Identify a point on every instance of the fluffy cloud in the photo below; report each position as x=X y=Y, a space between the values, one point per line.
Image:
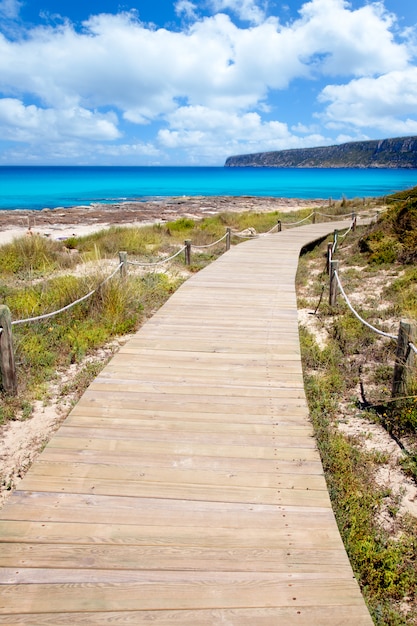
x=389 y=101
x=208 y=85
x=10 y=8
x=187 y=8
x=246 y=10
x=213 y=133
x=31 y=123
x=116 y=61
x=338 y=41
x=81 y=152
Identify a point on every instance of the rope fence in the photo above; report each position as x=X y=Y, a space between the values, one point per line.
x=7 y=367
x=161 y=262
x=210 y=245
x=301 y=221
x=406 y=349
x=68 y=306
x=356 y=314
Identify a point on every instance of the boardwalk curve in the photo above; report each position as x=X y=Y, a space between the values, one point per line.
x=185 y=487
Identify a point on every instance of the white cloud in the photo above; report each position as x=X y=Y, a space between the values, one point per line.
x=335 y=40
x=116 y=61
x=387 y=103
x=29 y=123
x=187 y=8
x=216 y=134
x=246 y=10
x=209 y=83
x=81 y=151
x=10 y=8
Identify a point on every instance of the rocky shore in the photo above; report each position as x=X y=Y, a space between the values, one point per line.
x=61 y=222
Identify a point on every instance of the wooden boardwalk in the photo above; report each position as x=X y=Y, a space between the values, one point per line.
x=185 y=488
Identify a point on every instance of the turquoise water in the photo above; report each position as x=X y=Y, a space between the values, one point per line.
x=40 y=187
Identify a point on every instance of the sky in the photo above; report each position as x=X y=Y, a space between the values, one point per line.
x=191 y=82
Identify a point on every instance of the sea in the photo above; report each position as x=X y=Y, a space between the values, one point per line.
x=39 y=187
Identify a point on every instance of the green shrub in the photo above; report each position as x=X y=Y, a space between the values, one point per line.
x=37 y=255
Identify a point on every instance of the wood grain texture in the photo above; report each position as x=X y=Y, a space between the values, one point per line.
x=185 y=488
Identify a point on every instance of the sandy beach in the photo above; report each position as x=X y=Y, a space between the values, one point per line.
x=60 y=223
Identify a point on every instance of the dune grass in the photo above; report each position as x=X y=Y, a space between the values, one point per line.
x=382 y=557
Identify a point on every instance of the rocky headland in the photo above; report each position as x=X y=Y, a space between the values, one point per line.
x=400 y=152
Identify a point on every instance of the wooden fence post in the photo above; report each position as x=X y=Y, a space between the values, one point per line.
x=228 y=238
x=404 y=359
x=279 y=226
x=7 y=363
x=329 y=256
x=334 y=267
x=314 y=216
x=187 y=244
x=123 y=261
x=335 y=239
x=353 y=221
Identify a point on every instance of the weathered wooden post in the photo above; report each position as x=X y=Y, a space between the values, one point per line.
x=7 y=363
x=123 y=261
x=228 y=238
x=353 y=221
x=329 y=256
x=187 y=244
x=314 y=216
x=279 y=226
x=334 y=267
x=404 y=359
x=335 y=239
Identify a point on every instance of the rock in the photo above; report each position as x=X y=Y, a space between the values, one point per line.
x=387 y=153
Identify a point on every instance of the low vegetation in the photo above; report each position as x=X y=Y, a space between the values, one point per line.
x=348 y=378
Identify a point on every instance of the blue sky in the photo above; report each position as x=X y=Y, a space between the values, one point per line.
x=191 y=82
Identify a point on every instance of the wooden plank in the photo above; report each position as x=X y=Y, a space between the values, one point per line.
x=285 y=413
x=285 y=496
x=332 y=615
x=192 y=475
x=137 y=421
x=172 y=461
x=215 y=451
x=182 y=435
x=119 y=510
x=171 y=535
x=154 y=591
x=133 y=557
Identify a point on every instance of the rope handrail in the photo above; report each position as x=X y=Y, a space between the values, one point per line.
x=300 y=221
x=157 y=262
x=268 y=232
x=376 y=330
x=68 y=306
x=347 y=232
x=340 y=215
x=210 y=244
x=413 y=347
x=239 y=236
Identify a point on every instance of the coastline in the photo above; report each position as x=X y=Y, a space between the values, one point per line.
x=61 y=223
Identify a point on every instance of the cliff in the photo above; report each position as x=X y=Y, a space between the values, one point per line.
x=390 y=153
